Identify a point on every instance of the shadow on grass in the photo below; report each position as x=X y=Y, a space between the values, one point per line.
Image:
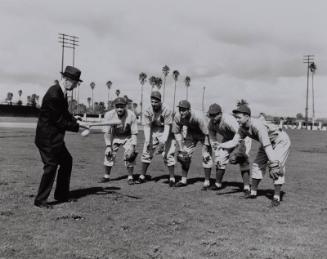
x=77 y=194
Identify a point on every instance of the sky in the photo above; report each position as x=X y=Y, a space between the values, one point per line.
x=236 y=49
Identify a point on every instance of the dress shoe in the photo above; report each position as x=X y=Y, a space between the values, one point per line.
x=43 y=205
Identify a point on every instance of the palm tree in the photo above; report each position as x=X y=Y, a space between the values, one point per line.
x=10 y=95
x=117 y=92
x=158 y=82
x=142 y=79
x=175 y=76
x=187 y=85
x=203 y=91
x=165 y=71
x=152 y=81
x=29 y=100
x=89 y=99
x=108 y=84
x=37 y=97
x=92 y=87
x=20 y=92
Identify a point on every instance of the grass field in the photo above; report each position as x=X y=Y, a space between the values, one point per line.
x=151 y=220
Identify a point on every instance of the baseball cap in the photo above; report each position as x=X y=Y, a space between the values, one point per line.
x=243 y=109
x=214 y=109
x=120 y=100
x=184 y=104
x=156 y=95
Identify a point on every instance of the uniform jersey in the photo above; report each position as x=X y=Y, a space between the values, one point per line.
x=157 y=120
x=127 y=127
x=227 y=128
x=262 y=131
x=197 y=124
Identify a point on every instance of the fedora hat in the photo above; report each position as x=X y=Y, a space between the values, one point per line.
x=72 y=73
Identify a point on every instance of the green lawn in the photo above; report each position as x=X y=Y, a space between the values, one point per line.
x=151 y=220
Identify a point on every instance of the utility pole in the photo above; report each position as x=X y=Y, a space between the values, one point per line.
x=313 y=69
x=204 y=89
x=68 y=41
x=308 y=59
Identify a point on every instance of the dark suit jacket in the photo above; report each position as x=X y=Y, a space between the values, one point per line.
x=54 y=120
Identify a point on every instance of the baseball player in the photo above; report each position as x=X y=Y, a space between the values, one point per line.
x=124 y=134
x=226 y=126
x=273 y=152
x=158 y=138
x=196 y=126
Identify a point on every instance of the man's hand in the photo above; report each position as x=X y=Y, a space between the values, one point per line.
x=83 y=124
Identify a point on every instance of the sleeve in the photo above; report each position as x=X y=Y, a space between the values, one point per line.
x=232 y=124
x=147 y=118
x=203 y=124
x=60 y=116
x=168 y=118
x=134 y=127
x=263 y=135
x=177 y=126
x=107 y=117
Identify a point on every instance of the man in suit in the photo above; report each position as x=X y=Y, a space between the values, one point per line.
x=54 y=121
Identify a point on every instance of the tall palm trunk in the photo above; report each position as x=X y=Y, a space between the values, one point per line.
x=142 y=103
x=164 y=89
x=174 y=98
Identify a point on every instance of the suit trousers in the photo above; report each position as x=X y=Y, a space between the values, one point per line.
x=51 y=160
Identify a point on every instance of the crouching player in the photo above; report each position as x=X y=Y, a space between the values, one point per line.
x=158 y=138
x=196 y=125
x=226 y=126
x=124 y=135
x=273 y=152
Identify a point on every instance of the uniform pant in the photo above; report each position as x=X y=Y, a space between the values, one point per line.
x=169 y=150
x=127 y=144
x=51 y=160
x=190 y=143
x=221 y=156
x=281 y=147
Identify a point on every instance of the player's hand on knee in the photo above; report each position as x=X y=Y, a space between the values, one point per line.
x=274 y=169
x=160 y=148
x=108 y=152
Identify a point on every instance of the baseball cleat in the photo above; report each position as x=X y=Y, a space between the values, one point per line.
x=248 y=195
x=140 y=181
x=275 y=203
x=180 y=184
x=205 y=188
x=215 y=188
x=171 y=184
x=130 y=181
x=104 y=180
x=247 y=192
